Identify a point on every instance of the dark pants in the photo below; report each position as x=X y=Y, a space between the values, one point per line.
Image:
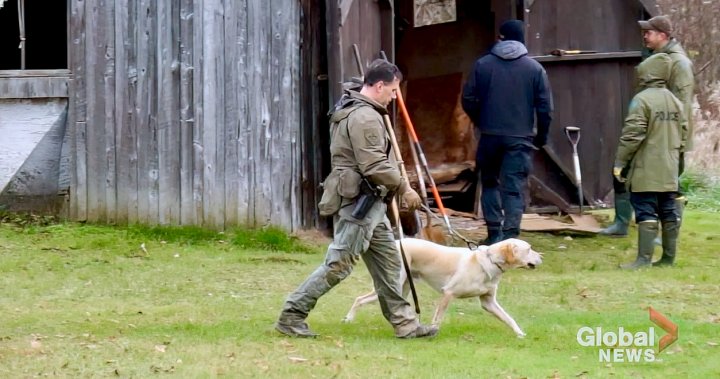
x=618 y=187
x=654 y=206
x=504 y=163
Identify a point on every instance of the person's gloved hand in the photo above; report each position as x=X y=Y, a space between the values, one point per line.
x=411 y=199
x=617 y=173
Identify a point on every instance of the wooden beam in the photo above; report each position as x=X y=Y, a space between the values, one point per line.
x=566 y=170
x=334 y=53
x=168 y=118
x=126 y=166
x=33 y=87
x=35 y=73
x=592 y=56
x=544 y=192
x=345 y=6
x=190 y=201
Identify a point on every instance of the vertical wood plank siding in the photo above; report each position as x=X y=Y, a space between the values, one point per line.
x=78 y=112
x=186 y=112
x=604 y=26
x=590 y=94
x=230 y=111
x=125 y=136
x=188 y=198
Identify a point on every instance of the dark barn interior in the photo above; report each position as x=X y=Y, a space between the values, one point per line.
x=590 y=90
x=45 y=36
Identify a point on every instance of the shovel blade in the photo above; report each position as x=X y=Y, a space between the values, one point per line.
x=586 y=221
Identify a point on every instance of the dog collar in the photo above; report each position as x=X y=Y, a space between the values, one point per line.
x=498 y=266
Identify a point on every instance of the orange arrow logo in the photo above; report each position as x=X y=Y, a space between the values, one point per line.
x=660 y=320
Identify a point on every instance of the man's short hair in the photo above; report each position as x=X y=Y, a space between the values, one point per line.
x=381 y=70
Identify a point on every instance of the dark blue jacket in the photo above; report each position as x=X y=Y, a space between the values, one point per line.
x=505 y=90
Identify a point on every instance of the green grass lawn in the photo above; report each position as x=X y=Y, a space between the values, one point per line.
x=89 y=301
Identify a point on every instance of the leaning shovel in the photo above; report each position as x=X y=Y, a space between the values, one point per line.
x=585 y=222
x=573 y=135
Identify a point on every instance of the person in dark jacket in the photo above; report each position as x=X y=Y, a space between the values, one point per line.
x=504 y=95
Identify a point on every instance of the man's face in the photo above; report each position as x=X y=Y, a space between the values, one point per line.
x=654 y=39
x=386 y=92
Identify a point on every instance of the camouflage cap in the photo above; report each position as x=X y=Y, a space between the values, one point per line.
x=658 y=23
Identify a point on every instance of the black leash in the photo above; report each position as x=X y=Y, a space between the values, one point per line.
x=407 y=271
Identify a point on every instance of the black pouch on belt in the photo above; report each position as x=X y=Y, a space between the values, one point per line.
x=367 y=198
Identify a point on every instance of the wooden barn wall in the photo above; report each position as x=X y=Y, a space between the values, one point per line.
x=365 y=23
x=185 y=112
x=603 y=26
x=592 y=95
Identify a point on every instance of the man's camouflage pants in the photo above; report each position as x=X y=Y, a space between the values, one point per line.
x=372 y=239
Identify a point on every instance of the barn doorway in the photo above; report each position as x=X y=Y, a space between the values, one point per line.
x=435 y=48
x=33 y=36
x=435 y=44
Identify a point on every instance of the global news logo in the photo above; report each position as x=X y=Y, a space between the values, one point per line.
x=622 y=346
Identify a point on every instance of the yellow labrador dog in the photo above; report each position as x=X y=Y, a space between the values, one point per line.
x=458 y=272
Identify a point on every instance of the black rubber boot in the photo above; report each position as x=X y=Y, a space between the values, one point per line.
x=647 y=231
x=510 y=233
x=670 y=232
x=680 y=204
x=623 y=213
x=495 y=235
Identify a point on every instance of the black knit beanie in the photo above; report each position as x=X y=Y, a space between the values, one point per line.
x=512 y=30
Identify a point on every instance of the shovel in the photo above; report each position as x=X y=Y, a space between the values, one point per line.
x=573 y=135
x=586 y=222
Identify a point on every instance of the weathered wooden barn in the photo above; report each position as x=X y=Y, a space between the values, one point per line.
x=213 y=112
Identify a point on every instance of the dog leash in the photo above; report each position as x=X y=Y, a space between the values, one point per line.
x=410 y=280
x=471 y=245
x=396 y=211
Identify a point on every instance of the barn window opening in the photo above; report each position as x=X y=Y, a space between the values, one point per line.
x=33 y=35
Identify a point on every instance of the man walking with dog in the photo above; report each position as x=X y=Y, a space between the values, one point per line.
x=363 y=179
x=658 y=37
x=647 y=161
x=504 y=95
